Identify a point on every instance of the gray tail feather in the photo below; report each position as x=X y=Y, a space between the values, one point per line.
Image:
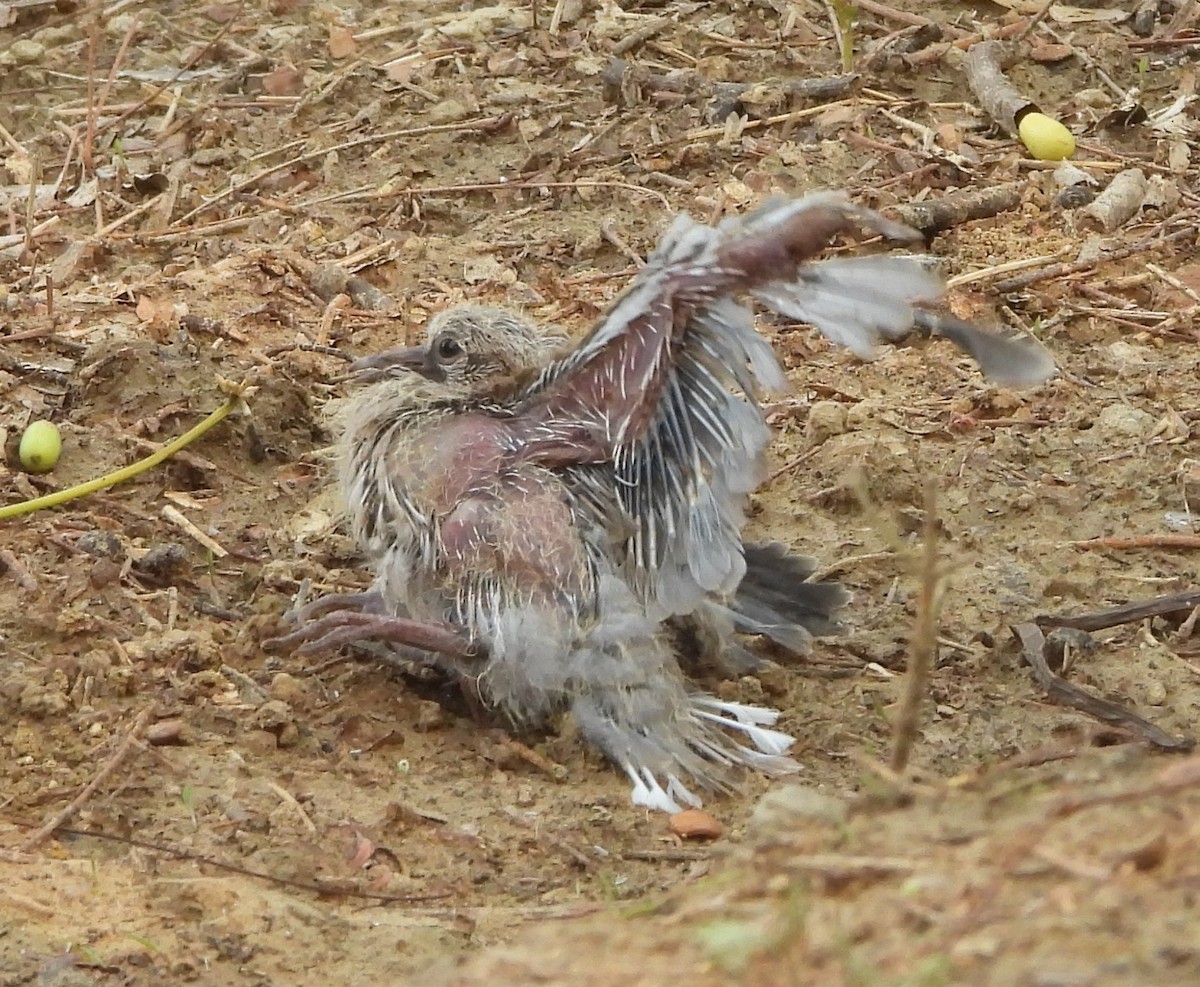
x=774 y=598
x=1011 y=361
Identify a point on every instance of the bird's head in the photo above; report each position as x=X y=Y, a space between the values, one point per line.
x=467 y=346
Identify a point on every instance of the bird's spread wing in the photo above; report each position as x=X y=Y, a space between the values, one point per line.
x=666 y=386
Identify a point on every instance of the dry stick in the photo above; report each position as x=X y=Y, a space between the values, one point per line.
x=1174 y=778
x=1000 y=99
x=495 y=186
x=643 y=33
x=542 y=834
x=16 y=568
x=85 y=152
x=1125 y=614
x=12 y=239
x=480 y=123
x=119 y=755
x=1034 y=21
x=216 y=228
x=185 y=67
x=839 y=39
x=106 y=89
x=952 y=210
x=1059 y=690
x=891 y=13
x=556 y=18
x=1141 y=541
x=183 y=523
x=670 y=855
x=1079 y=266
x=923 y=645
x=970 y=277
x=10 y=140
x=178 y=853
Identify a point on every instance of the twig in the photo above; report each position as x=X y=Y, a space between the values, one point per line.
x=119 y=755
x=671 y=855
x=29 y=903
x=496 y=186
x=613 y=237
x=1034 y=21
x=840 y=565
x=479 y=123
x=1077 y=267
x=179 y=853
x=202 y=52
x=291 y=800
x=1174 y=282
x=527 y=754
x=845 y=863
x=970 y=277
x=923 y=646
x=1059 y=690
x=1171 y=779
x=1000 y=99
x=951 y=210
x=1140 y=541
x=306 y=348
x=642 y=34
x=17 y=570
x=12 y=239
x=891 y=13
x=1125 y=614
x=839 y=37
x=544 y=836
x=180 y=521
x=792 y=463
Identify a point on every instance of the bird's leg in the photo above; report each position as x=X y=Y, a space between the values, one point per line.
x=347 y=626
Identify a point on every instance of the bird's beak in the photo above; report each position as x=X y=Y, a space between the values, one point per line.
x=385 y=364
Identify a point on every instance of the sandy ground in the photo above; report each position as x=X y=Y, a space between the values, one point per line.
x=292 y=822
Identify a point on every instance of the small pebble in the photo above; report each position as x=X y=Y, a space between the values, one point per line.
x=101 y=544
x=1123 y=421
x=167 y=733
x=695 y=824
x=786 y=806
x=1050 y=53
x=430 y=716
x=104 y=572
x=825 y=419
x=291 y=690
x=23 y=51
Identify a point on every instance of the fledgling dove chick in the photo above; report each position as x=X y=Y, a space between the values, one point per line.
x=538 y=529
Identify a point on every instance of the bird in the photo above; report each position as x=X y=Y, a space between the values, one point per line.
x=775 y=599
x=546 y=527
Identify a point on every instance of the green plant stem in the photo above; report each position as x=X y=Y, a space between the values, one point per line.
x=125 y=473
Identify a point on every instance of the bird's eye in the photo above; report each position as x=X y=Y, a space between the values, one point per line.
x=448 y=348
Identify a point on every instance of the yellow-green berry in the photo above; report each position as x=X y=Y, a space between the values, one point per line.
x=1046 y=138
x=40 y=447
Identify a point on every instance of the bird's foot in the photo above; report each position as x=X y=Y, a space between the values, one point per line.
x=345 y=626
